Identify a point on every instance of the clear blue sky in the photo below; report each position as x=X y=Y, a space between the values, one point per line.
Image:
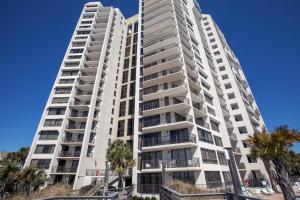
x=34 y=36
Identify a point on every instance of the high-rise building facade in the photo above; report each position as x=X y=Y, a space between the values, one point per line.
x=166 y=82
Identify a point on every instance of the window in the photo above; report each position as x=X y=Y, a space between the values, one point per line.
x=66 y=81
x=133 y=61
x=124 y=92
x=208 y=99
x=130 y=126
x=121 y=128
x=228 y=86
x=52 y=122
x=231 y=95
x=132 y=90
x=70 y=73
x=251 y=159
x=187 y=177
x=56 y=111
x=135 y=38
x=76 y=50
x=134 y=49
x=126 y=63
x=209 y=156
x=205 y=85
x=44 y=149
x=205 y=136
x=213 y=179
x=222 y=68
x=245 y=144
x=78 y=44
x=63 y=90
x=234 y=106
x=122 y=110
x=238 y=118
x=224 y=77
x=48 y=135
x=212 y=40
x=221 y=157
x=84 y=32
x=219 y=60
x=132 y=76
x=129 y=29
x=217 y=53
x=131 y=107
x=136 y=27
x=218 y=141
x=125 y=77
x=128 y=40
x=214 y=126
x=72 y=64
x=127 y=51
x=214 y=46
x=74 y=57
x=210 y=34
x=58 y=100
x=40 y=163
x=242 y=130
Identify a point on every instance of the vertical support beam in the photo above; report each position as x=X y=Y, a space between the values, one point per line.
x=106 y=176
x=233 y=171
x=163 y=172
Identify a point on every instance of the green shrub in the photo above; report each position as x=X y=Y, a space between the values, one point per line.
x=153 y=198
x=147 y=198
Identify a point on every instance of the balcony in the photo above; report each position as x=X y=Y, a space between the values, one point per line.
x=202 y=123
x=171 y=75
x=236 y=150
x=168 y=142
x=194 y=83
x=199 y=111
x=177 y=88
x=171 y=165
x=64 y=170
x=196 y=96
x=161 y=53
x=176 y=105
x=168 y=123
x=164 y=64
x=225 y=112
x=232 y=136
x=69 y=154
x=72 y=140
x=241 y=166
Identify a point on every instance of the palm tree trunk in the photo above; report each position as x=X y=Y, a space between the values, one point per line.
x=267 y=164
x=120 y=182
x=283 y=181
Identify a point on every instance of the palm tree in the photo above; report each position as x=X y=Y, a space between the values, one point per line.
x=8 y=177
x=18 y=157
x=31 y=179
x=260 y=144
x=282 y=139
x=119 y=154
x=275 y=147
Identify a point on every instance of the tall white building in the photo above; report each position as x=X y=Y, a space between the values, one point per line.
x=166 y=82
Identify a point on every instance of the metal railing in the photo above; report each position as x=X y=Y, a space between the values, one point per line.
x=155 y=164
x=154 y=105
x=69 y=154
x=164 y=140
x=71 y=139
x=167 y=120
x=63 y=169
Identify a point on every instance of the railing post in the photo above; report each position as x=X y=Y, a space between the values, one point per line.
x=106 y=176
x=163 y=172
x=233 y=171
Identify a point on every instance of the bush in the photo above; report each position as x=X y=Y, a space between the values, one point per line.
x=147 y=198
x=185 y=188
x=153 y=198
x=85 y=189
